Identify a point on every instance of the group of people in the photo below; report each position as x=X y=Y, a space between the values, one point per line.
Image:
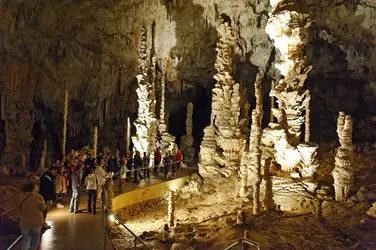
x=80 y=170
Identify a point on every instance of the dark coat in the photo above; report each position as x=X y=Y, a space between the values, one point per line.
x=137 y=162
x=47 y=186
x=111 y=165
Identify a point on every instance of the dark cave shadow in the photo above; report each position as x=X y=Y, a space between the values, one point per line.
x=195 y=66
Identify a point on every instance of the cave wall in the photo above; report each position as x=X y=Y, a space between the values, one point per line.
x=91 y=49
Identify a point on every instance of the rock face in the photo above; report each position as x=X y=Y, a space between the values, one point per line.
x=186 y=145
x=92 y=47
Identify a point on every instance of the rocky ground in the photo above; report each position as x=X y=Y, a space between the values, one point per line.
x=201 y=225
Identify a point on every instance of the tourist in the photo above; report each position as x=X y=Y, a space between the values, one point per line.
x=48 y=191
x=75 y=183
x=124 y=170
x=89 y=162
x=91 y=184
x=60 y=182
x=101 y=177
x=145 y=166
x=179 y=159
x=137 y=162
x=129 y=165
x=99 y=157
x=118 y=161
x=111 y=165
x=167 y=160
x=157 y=161
x=31 y=216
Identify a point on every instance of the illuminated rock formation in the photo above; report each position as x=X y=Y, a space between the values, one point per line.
x=186 y=145
x=208 y=167
x=64 y=142
x=289 y=31
x=44 y=155
x=144 y=140
x=308 y=158
x=307 y=135
x=128 y=135
x=343 y=172
x=166 y=141
x=95 y=142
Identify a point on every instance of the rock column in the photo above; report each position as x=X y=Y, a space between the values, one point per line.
x=343 y=173
x=186 y=145
x=64 y=143
x=44 y=156
x=128 y=135
x=171 y=208
x=289 y=31
x=95 y=142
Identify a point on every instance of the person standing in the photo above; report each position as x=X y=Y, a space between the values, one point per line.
x=75 y=200
x=179 y=159
x=101 y=177
x=48 y=191
x=118 y=161
x=111 y=165
x=167 y=160
x=145 y=166
x=124 y=170
x=129 y=165
x=157 y=160
x=137 y=161
x=91 y=184
x=31 y=216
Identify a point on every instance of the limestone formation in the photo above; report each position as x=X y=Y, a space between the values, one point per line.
x=166 y=141
x=307 y=135
x=208 y=167
x=44 y=156
x=64 y=143
x=343 y=172
x=308 y=158
x=272 y=103
x=171 y=208
x=372 y=211
x=95 y=142
x=186 y=145
x=144 y=140
x=128 y=135
x=289 y=31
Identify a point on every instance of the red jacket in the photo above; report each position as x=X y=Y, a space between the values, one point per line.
x=157 y=156
x=179 y=156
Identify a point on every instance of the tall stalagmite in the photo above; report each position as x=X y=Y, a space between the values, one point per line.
x=289 y=31
x=225 y=104
x=128 y=135
x=250 y=171
x=64 y=142
x=144 y=140
x=44 y=156
x=186 y=145
x=343 y=173
x=95 y=142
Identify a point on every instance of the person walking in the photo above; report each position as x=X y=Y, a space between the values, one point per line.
x=31 y=216
x=137 y=161
x=91 y=183
x=48 y=191
x=157 y=161
x=75 y=200
x=145 y=166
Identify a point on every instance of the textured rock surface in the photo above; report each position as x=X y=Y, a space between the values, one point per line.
x=92 y=47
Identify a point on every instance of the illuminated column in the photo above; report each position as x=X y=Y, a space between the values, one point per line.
x=289 y=31
x=128 y=135
x=186 y=145
x=307 y=117
x=171 y=208
x=44 y=155
x=343 y=172
x=272 y=104
x=64 y=143
x=95 y=142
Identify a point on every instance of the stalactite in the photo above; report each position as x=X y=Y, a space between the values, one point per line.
x=42 y=164
x=307 y=117
x=272 y=103
x=64 y=142
x=95 y=142
x=128 y=134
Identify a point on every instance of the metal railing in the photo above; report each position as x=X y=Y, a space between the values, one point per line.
x=137 y=239
x=8 y=212
x=243 y=242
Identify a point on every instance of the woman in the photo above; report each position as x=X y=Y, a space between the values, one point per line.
x=123 y=169
x=101 y=176
x=31 y=216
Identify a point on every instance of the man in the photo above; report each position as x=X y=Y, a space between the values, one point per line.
x=99 y=157
x=118 y=161
x=157 y=161
x=145 y=166
x=75 y=200
x=91 y=184
x=31 y=216
x=137 y=161
x=167 y=164
x=129 y=165
x=101 y=177
x=111 y=165
x=179 y=159
x=48 y=191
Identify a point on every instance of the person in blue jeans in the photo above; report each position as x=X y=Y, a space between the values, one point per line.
x=31 y=216
x=75 y=183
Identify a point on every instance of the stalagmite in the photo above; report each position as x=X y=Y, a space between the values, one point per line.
x=128 y=143
x=289 y=31
x=186 y=145
x=95 y=142
x=171 y=208
x=308 y=158
x=144 y=140
x=44 y=156
x=272 y=103
x=64 y=143
x=343 y=173
x=208 y=168
x=307 y=117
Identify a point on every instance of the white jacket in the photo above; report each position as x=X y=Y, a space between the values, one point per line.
x=101 y=175
x=91 y=182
